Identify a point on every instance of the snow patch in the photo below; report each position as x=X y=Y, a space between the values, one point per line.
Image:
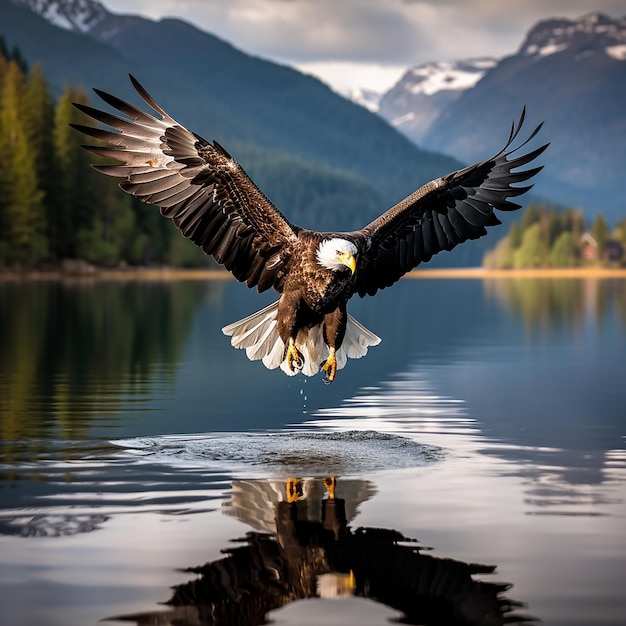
x=552 y=48
x=617 y=52
x=554 y=36
x=77 y=15
x=544 y=51
x=430 y=78
x=366 y=98
x=403 y=119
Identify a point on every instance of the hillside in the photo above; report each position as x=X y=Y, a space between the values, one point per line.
x=423 y=92
x=572 y=74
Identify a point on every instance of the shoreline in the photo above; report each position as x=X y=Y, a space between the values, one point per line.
x=165 y=274
x=552 y=272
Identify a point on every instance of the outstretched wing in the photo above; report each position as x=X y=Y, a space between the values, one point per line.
x=442 y=214
x=205 y=192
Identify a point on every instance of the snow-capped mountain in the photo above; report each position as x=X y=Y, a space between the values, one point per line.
x=415 y=102
x=591 y=32
x=78 y=15
x=572 y=75
x=367 y=98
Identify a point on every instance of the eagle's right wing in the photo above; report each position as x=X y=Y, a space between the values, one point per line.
x=443 y=213
x=205 y=192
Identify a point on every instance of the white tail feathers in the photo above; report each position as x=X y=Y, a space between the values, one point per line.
x=258 y=335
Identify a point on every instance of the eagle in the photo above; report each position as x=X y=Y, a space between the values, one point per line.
x=215 y=204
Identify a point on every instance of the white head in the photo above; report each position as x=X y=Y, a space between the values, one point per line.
x=337 y=254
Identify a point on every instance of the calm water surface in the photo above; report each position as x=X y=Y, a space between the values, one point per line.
x=150 y=474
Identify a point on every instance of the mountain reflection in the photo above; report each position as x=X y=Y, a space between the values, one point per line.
x=302 y=547
x=553 y=304
x=72 y=352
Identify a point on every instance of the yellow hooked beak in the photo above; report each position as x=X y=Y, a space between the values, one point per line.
x=348 y=260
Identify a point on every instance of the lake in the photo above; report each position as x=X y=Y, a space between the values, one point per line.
x=471 y=469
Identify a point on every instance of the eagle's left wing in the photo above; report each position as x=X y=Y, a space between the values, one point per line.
x=442 y=214
x=197 y=184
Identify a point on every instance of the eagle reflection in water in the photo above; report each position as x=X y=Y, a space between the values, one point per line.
x=302 y=547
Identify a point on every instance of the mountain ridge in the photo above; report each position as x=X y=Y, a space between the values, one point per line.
x=79 y=15
x=571 y=74
x=415 y=102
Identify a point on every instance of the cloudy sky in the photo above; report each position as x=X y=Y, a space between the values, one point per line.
x=367 y=43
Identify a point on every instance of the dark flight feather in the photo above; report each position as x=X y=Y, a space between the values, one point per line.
x=444 y=213
x=210 y=198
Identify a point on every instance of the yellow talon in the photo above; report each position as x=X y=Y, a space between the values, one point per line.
x=330 y=367
x=330 y=484
x=295 y=360
x=293 y=489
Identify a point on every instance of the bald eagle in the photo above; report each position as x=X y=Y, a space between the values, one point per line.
x=214 y=203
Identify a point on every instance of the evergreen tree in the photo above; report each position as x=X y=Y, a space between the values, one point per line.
x=72 y=210
x=4 y=63
x=16 y=55
x=555 y=226
x=562 y=253
x=21 y=204
x=578 y=225
x=545 y=228
x=515 y=236
x=532 y=251
x=620 y=231
x=38 y=115
x=531 y=215
x=4 y=52
x=600 y=232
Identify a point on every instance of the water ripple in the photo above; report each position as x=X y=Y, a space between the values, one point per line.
x=286 y=453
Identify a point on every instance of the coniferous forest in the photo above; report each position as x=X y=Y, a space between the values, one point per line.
x=53 y=205
x=547 y=237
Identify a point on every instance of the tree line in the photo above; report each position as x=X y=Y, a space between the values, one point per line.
x=547 y=237
x=53 y=205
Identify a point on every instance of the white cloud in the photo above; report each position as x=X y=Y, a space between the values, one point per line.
x=347 y=76
x=326 y=35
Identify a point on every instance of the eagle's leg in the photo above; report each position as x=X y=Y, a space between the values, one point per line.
x=330 y=367
x=334 y=331
x=287 y=326
x=295 y=360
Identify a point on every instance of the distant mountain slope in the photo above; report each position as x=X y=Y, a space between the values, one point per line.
x=77 y=15
x=67 y=57
x=414 y=103
x=222 y=93
x=572 y=74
